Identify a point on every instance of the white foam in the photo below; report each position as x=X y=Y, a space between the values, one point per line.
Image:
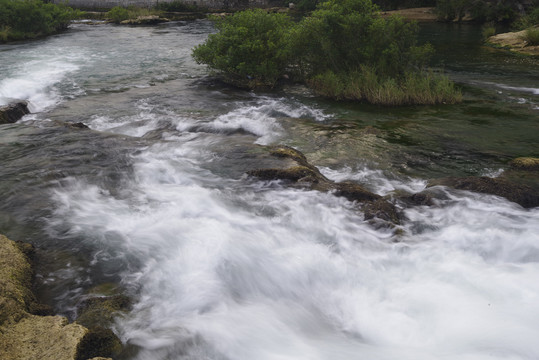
x=233 y=272
x=261 y=118
x=36 y=81
x=376 y=180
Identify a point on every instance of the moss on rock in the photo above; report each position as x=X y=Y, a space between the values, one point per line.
x=15 y=282
x=24 y=336
x=525 y=164
x=41 y=337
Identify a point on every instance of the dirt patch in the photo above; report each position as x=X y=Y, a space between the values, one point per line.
x=417 y=14
x=513 y=41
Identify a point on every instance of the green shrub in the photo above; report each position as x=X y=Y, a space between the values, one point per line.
x=117 y=14
x=343 y=50
x=343 y=35
x=32 y=18
x=532 y=36
x=250 y=49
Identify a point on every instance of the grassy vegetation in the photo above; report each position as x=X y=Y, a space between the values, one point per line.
x=27 y=19
x=488 y=30
x=532 y=36
x=365 y=85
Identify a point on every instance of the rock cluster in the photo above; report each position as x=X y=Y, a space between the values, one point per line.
x=300 y=173
x=27 y=336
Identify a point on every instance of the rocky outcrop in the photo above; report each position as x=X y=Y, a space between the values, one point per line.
x=298 y=172
x=26 y=336
x=513 y=41
x=13 y=112
x=524 y=195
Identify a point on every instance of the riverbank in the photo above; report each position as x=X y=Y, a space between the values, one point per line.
x=28 y=330
x=513 y=41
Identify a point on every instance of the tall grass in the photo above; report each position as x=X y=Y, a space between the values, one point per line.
x=532 y=36
x=365 y=85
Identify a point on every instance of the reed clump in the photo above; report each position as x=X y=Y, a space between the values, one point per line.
x=365 y=85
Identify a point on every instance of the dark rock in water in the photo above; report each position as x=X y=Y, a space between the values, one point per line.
x=354 y=192
x=294 y=174
x=304 y=174
x=100 y=310
x=384 y=210
x=525 y=164
x=523 y=195
x=98 y=342
x=13 y=112
x=78 y=125
x=419 y=199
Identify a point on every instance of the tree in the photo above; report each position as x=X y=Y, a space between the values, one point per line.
x=250 y=48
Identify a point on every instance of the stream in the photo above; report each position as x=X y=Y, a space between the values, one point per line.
x=154 y=199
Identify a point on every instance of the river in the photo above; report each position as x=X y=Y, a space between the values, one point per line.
x=154 y=199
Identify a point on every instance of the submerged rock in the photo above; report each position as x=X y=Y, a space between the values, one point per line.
x=13 y=112
x=24 y=336
x=521 y=194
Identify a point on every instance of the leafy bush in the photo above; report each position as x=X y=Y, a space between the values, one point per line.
x=343 y=50
x=250 y=48
x=343 y=35
x=32 y=18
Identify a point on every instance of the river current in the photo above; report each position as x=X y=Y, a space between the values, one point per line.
x=154 y=198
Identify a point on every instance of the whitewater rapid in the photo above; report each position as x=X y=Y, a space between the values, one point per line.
x=229 y=267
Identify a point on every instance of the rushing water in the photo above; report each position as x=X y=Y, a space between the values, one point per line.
x=221 y=266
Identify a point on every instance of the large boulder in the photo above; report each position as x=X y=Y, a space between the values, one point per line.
x=25 y=336
x=13 y=112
